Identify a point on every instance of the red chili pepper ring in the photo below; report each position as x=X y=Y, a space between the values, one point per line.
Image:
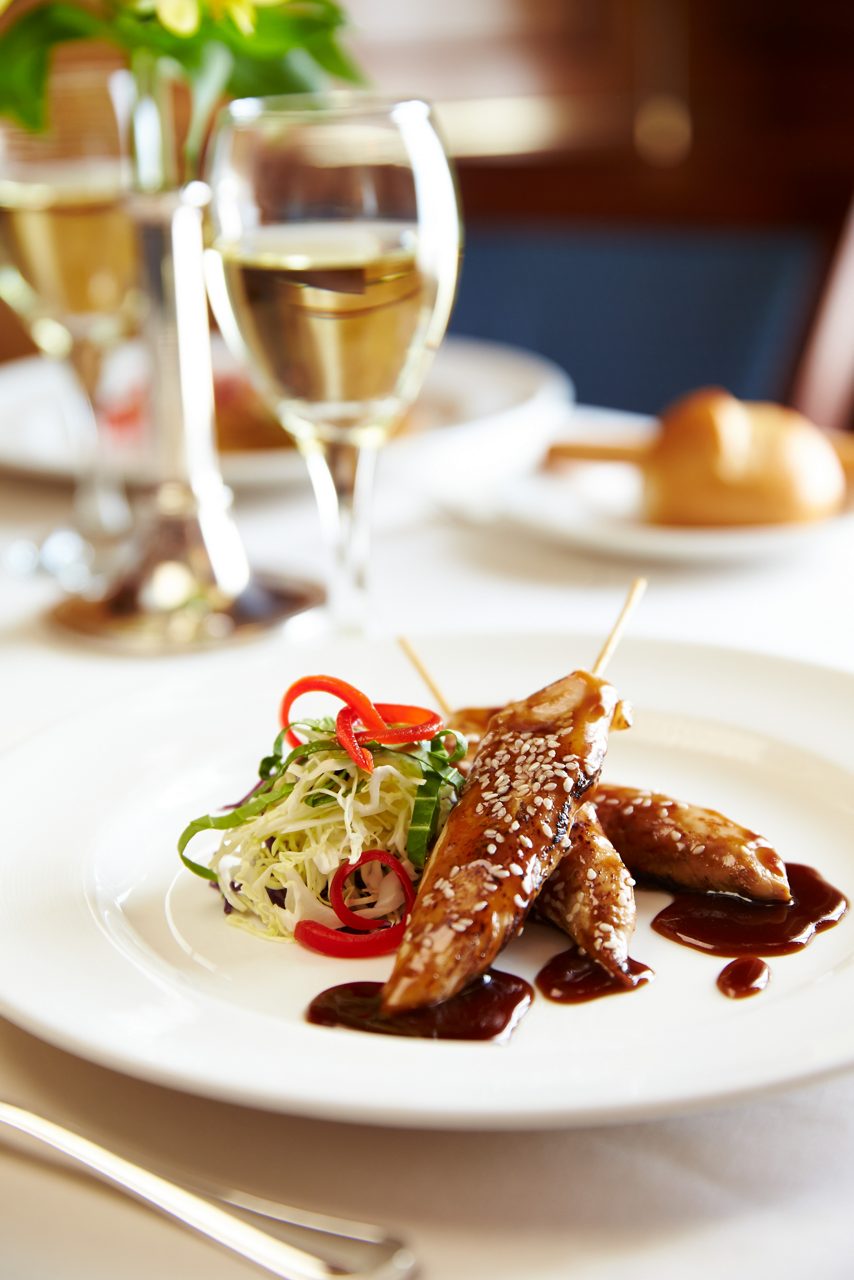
x=348 y=946
x=336 y=888
x=373 y=938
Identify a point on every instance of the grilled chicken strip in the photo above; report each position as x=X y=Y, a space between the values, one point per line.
x=690 y=847
x=473 y=722
x=590 y=895
x=504 y=838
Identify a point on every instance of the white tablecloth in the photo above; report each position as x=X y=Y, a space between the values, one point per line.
x=760 y=1189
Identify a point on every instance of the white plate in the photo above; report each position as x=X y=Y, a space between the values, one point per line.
x=471 y=385
x=597 y=506
x=112 y=952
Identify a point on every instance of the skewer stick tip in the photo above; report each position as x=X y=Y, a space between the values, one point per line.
x=441 y=701
x=633 y=597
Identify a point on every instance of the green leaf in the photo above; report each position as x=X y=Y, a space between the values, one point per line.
x=207 y=85
x=276 y=31
x=26 y=48
x=137 y=32
x=327 y=53
x=289 y=51
x=292 y=72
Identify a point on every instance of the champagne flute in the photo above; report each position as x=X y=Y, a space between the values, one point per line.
x=332 y=273
x=68 y=267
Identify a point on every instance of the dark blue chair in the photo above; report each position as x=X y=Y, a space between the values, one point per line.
x=636 y=316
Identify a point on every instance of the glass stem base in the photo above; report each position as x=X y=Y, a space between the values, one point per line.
x=342 y=476
x=190 y=585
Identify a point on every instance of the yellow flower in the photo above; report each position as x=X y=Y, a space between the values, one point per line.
x=241 y=12
x=182 y=17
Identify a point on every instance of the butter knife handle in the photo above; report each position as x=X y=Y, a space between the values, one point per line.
x=275 y=1256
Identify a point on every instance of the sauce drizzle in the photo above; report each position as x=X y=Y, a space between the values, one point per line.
x=488 y=1009
x=722 y=924
x=745 y=976
x=573 y=978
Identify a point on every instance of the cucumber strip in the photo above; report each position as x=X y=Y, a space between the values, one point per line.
x=423 y=824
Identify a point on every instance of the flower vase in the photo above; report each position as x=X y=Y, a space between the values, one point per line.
x=189 y=583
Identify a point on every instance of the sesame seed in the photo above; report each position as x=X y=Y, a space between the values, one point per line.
x=529 y=844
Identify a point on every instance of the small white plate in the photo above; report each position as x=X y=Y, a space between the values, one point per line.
x=110 y=950
x=471 y=385
x=597 y=506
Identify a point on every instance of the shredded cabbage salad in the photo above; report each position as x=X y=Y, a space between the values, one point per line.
x=314 y=809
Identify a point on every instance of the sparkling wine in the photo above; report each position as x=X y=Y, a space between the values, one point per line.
x=334 y=317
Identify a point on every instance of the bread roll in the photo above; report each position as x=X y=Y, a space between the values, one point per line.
x=718 y=461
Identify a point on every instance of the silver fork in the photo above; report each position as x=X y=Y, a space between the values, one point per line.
x=393 y=1261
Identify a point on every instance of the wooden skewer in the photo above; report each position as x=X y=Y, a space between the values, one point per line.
x=591 y=451
x=441 y=701
x=636 y=590
x=638 y=454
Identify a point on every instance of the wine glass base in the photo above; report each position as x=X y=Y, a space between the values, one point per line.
x=122 y=621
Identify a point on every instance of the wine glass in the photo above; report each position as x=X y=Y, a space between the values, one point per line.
x=332 y=273
x=68 y=267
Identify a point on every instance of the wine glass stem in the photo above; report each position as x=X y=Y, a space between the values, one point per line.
x=342 y=476
x=101 y=507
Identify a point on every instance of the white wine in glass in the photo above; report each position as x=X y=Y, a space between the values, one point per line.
x=332 y=274
x=69 y=268
x=68 y=237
